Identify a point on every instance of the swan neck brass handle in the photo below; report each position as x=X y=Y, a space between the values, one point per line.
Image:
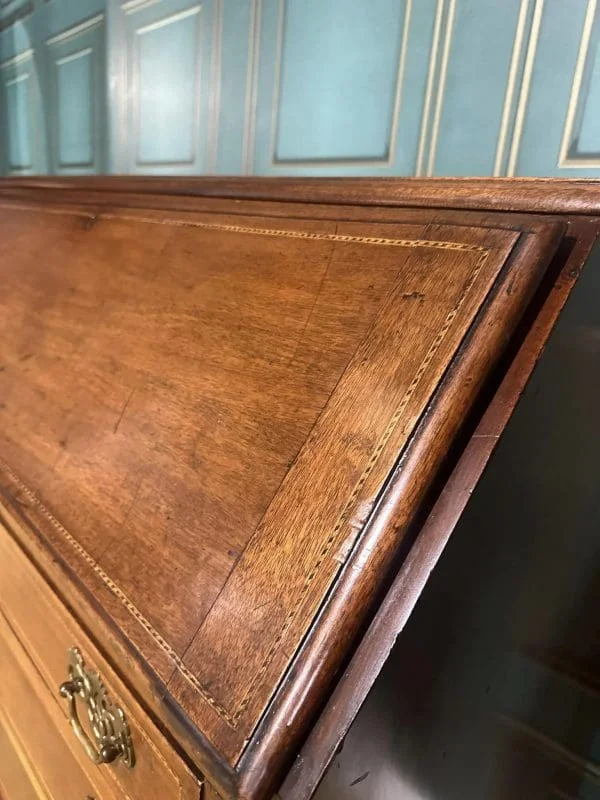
x=110 y=736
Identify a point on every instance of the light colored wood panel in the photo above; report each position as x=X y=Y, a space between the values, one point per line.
x=16 y=779
x=47 y=631
x=38 y=729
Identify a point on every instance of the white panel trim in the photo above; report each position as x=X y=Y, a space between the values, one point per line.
x=74 y=56
x=19 y=79
x=136 y=5
x=433 y=57
x=162 y=23
x=212 y=134
x=534 y=36
x=249 y=141
x=13 y=169
x=439 y=103
x=564 y=161
x=511 y=85
x=20 y=58
x=277 y=84
x=76 y=30
x=336 y=162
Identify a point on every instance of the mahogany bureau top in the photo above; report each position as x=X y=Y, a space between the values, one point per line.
x=225 y=408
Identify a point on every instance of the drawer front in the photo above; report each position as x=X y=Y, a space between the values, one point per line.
x=48 y=633
x=36 y=758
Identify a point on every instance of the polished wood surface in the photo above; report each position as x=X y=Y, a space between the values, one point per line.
x=139 y=401
x=220 y=420
x=534 y=195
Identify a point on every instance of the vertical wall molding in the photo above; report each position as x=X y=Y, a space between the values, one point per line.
x=396 y=105
x=532 y=44
x=75 y=31
x=26 y=55
x=84 y=40
x=19 y=69
x=215 y=88
x=439 y=103
x=127 y=22
x=431 y=75
x=564 y=160
x=134 y=83
x=277 y=92
x=254 y=38
x=511 y=86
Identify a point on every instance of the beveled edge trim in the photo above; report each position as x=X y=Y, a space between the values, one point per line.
x=77 y=30
x=562 y=195
x=25 y=761
x=511 y=85
x=232 y=718
x=387 y=160
x=532 y=45
x=565 y=161
x=20 y=58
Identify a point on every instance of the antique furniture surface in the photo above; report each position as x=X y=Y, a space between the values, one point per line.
x=227 y=408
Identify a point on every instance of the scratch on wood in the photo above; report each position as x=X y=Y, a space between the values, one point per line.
x=123 y=410
x=360 y=779
x=315 y=301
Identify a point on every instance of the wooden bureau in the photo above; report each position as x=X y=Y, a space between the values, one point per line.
x=239 y=420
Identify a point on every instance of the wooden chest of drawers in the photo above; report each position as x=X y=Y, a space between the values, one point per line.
x=226 y=410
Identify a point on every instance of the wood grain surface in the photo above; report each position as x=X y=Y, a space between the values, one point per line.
x=223 y=420
x=533 y=195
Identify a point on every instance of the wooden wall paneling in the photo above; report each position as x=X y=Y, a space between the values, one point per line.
x=580 y=147
x=29 y=109
x=237 y=52
x=473 y=104
x=76 y=77
x=546 y=141
x=23 y=146
x=339 y=87
x=164 y=85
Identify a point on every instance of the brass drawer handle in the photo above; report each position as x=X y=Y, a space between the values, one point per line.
x=112 y=738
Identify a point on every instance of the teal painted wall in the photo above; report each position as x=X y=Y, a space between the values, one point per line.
x=300 y=87
x=52 y=87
